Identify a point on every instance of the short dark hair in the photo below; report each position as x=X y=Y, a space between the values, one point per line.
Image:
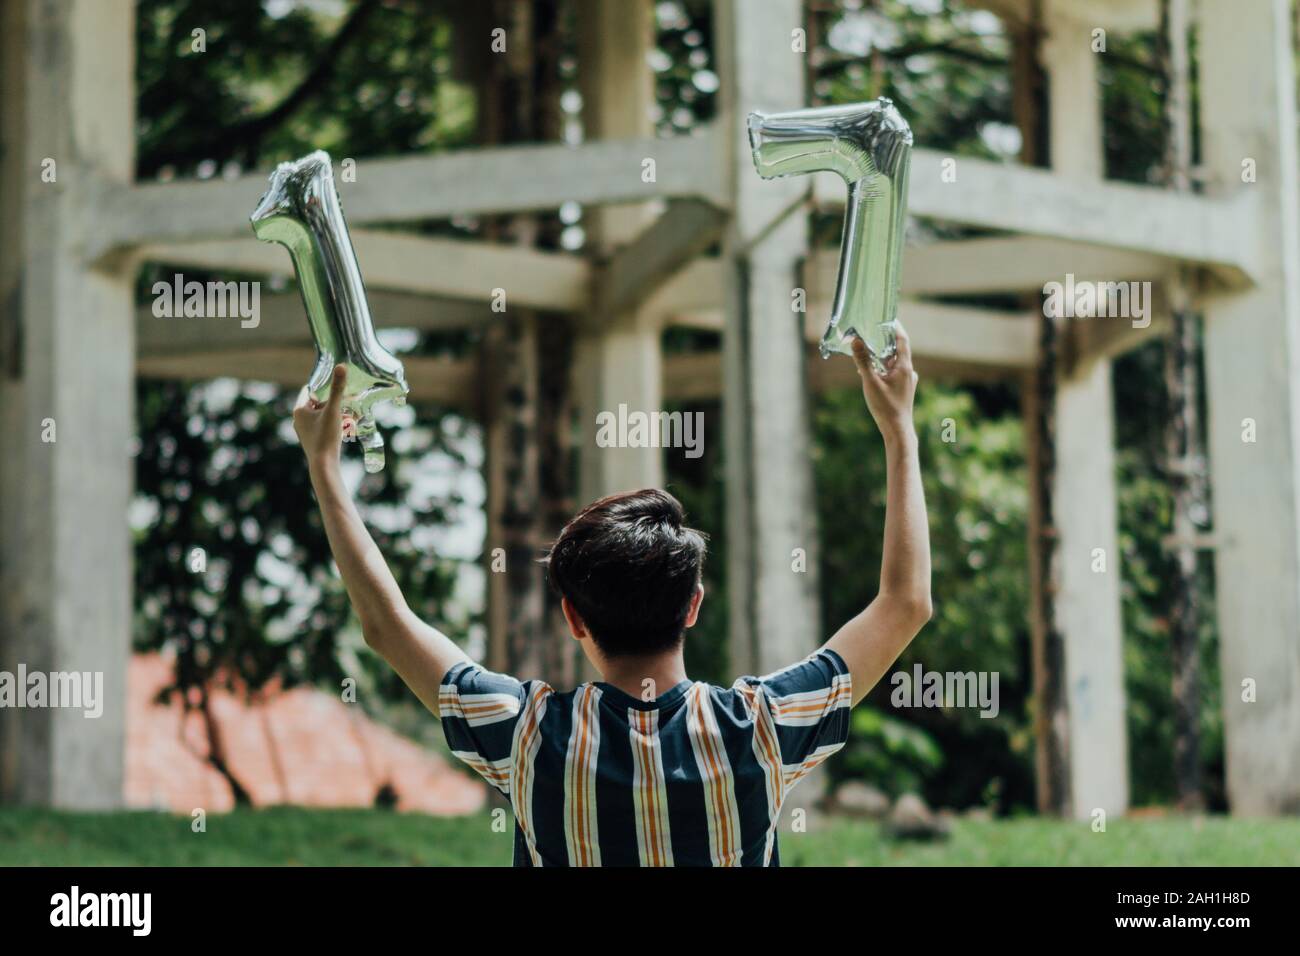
x=629 y=567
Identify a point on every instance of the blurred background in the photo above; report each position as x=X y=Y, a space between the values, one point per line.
x=555 y=212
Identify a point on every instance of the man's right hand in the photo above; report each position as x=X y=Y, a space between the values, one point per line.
x=889 y=395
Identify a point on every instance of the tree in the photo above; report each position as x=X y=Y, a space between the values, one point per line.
x=233 y=573
x=1184 y=464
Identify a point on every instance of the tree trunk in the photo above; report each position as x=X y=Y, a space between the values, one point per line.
x=554 y=353
x=217 y=750
x=528 y=363
x=1183 y=458
x=1051 y=712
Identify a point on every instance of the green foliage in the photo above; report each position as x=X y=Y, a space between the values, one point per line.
x=946 y=70
x=972 y=464
x=685 y=84
x=1146 y=516
x=223 y=488
x=698 y=484
x=896 y=756
x=217 y=468
x=957 y=98
x=1131 y=101
x=216 y=471
x=373 y=82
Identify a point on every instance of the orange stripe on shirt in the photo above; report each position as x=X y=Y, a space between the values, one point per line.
x=717 y=777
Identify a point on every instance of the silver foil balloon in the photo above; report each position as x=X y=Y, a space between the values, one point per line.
x=301 y=211
x=870 y=146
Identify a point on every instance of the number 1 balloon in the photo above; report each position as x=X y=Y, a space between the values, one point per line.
x=870 y=146
x=301 y=211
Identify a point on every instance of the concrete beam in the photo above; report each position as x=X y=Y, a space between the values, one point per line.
x=1089 y=340
x=450 y=280
x=685 y=230
x=441 y=380
x=1217 y=233
x=692 y=297
x=697 y=376
x=696 y=287
x=468 y=269
x=1120 y=15
x=466 y=182
x=283 y=322
x=967 y=336
x=457 y=383
x=957 y=335
x=1011 y=264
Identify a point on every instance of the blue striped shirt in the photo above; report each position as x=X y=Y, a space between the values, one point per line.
x=694 y=777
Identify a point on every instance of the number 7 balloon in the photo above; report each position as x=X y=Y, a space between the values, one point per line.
x=301 y=211
x=870 y=146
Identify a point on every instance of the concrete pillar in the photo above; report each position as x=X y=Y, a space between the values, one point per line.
x=774 y=613
x=1088 y=602
x=68 y=392
x=1252 y=357
x=617 y=358
x=620 y=364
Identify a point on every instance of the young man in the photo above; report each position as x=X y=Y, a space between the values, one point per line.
x=644 y=767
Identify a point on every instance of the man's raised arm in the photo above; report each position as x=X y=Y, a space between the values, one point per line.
x=872 y=641
x=420 y=654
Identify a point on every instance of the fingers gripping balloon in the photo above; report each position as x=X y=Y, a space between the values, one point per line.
x=301 y=211
x=870 y=145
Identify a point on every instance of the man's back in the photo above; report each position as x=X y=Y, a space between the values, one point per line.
x=694 y=777
x=699 y=774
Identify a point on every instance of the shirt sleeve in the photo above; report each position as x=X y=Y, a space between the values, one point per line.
x=809 y=704
x=479 y=710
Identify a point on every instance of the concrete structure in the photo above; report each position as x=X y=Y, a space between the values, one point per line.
x=1088 y=604
x=69 y=383
x=69 y=335
x=1252 y=351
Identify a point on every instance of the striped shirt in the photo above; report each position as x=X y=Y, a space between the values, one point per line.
x=694 y=777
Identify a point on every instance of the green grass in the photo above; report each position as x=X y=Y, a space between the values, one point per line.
x=1209 y=841
x=296 y=836
x=271 y=837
